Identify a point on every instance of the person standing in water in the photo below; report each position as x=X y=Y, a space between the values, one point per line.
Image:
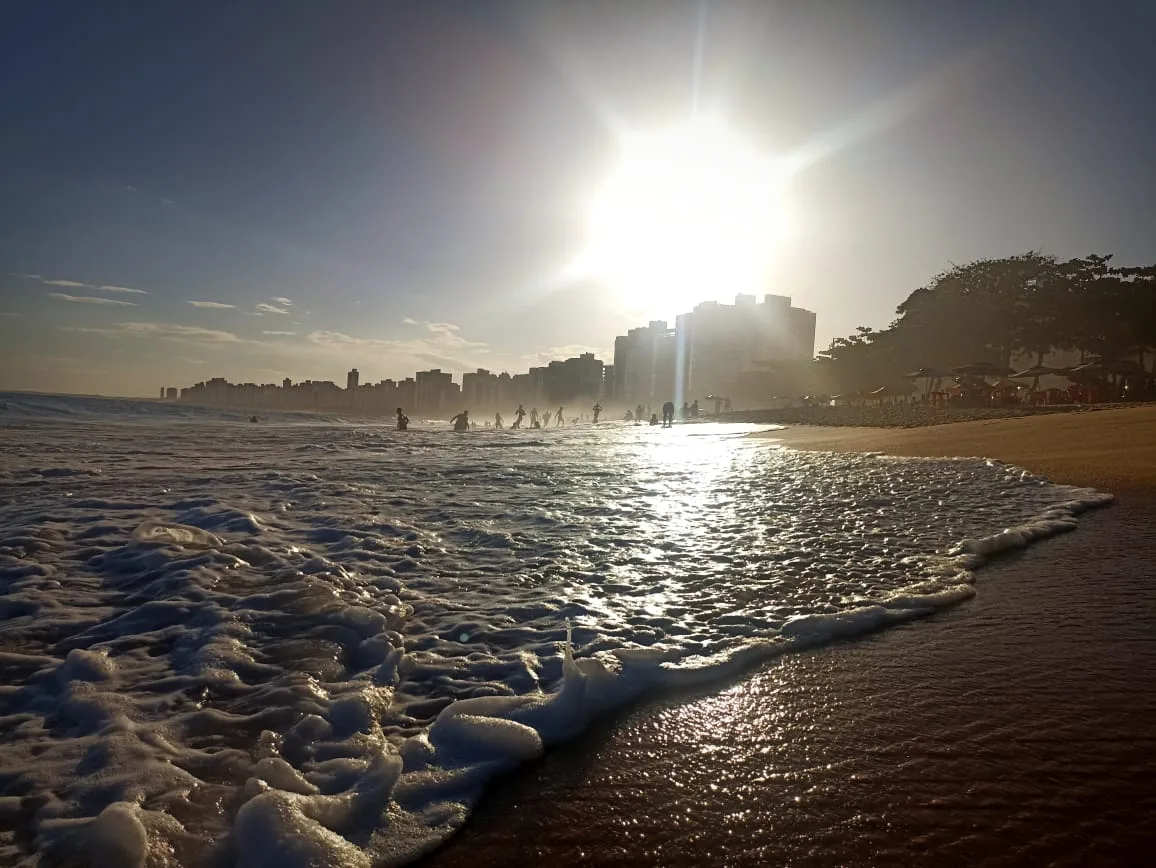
x=546 y=419
x=534 y=418
x=668 y=414
x=497 y=420
x=402 y=420
x=560 y=419
x=653 y=419
x=461 y=422
x=519 y=414
x=597 y=409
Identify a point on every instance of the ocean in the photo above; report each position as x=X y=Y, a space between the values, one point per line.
x=314 y=640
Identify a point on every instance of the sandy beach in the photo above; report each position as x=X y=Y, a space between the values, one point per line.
x=1109 y=449
x=1013 y=729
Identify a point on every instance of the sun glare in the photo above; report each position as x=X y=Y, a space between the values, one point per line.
x=687 y=215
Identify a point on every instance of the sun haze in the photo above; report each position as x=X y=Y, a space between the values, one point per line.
x=291 y=190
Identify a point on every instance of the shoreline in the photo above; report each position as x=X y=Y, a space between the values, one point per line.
x=1008 y=729
x=896 y=747
x=1005 y=730
x=1112 y=450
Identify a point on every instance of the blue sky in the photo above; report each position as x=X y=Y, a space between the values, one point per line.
x=294 y=188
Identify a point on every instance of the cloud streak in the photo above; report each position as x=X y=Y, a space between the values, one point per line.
x=89 y=299
x=170 y=331
x=76 y=284
x=211 y=305
x=277 y=333
x=443 y=347
x=268 y=308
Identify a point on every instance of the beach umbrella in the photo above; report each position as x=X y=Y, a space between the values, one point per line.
x=1089 y=371
x=981 y=369
x=926 y=373
x=1034 y=373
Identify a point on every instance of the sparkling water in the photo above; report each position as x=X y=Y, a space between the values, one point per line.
x=313 y=640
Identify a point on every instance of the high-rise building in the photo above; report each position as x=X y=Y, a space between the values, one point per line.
x=480 y=390
x=578 y=378
x=646 y=364
x=434 y=389
x=726 y=344
x=351 y=380
x=716 y=349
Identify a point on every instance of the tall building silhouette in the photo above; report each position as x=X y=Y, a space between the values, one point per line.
x=745 y=348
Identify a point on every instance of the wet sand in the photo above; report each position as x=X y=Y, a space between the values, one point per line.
x=1014 y=729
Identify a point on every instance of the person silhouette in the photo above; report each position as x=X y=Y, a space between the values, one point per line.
x=461 y=422
x=497 y=420
x=519 y=414
x=559 y=418
x=402 y=420
x=668 y=414
x=653 y=418
x=534 y=418
x=597 y=409
x=546 y=419
x=694 y=409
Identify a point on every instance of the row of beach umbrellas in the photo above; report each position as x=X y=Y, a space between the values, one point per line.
x=984 y=370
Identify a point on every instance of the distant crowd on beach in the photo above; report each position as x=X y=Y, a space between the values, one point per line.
x=557 y=418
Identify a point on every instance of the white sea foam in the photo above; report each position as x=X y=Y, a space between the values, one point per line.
x=314 y=643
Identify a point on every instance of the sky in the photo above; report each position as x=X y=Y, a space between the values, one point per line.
x=289 y=188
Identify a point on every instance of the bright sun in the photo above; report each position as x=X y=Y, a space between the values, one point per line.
x=688 y=215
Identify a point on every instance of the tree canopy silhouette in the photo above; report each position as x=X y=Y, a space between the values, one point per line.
x=994 y=310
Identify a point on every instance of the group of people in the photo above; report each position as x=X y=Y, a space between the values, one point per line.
x=461 y=422
x=689 y=411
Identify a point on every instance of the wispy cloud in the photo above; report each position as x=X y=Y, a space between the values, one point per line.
x=211 y=305
x=277 y=333
x=337 y=339
x=171 y=331
x=568 y=351
x=76 y=284
x=409 y=320
x=88 y=299
x=449 y=335
x=25 y=276
x=268 y=308
x=282 y=300
x=443 y=346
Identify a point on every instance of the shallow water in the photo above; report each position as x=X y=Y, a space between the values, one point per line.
x=315 y=641
x=1014 y=729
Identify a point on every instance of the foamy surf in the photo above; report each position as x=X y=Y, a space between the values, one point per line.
x=303 y=644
